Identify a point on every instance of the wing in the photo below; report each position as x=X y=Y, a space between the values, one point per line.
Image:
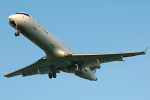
x=102 y=57
x=42 y=66
x=41 y=63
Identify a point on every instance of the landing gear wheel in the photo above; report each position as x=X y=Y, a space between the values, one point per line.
x=17 y=34
x=50 y=75
x=54 y=75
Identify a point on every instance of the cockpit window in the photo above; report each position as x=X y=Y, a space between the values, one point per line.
x=24 y=14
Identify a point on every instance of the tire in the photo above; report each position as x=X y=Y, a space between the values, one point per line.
x=54 y=75
x=50 y=75
x=16 y=34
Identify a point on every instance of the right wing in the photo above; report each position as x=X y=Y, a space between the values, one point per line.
x=41 y=63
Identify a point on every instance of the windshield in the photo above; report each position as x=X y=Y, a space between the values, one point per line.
x=24 y=14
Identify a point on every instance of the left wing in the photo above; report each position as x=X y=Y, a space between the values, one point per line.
x=41 y=63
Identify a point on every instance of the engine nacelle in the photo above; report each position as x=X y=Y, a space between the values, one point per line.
x=87 y=74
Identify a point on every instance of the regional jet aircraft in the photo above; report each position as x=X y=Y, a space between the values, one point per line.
x=58 y=57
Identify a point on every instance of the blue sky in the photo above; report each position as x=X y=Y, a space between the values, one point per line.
x=86 y=26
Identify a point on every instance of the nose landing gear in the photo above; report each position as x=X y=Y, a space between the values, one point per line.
x=13 y=24
x=17 y=34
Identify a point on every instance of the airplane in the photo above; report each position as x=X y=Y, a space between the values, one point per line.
x=59 y=57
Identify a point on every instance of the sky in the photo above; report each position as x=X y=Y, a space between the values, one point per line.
x=86 y=26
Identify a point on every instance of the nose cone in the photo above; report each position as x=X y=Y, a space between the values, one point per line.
x=11 y=18
x=13 y=21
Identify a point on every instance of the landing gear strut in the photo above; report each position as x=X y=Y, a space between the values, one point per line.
x=78 y=69
x=18 y=31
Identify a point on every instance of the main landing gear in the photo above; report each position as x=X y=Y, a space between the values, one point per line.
x=52 y=75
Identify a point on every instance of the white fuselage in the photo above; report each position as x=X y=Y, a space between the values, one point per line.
x=51 y=45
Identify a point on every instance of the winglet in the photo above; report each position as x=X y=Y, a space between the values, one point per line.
x=146 y=50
